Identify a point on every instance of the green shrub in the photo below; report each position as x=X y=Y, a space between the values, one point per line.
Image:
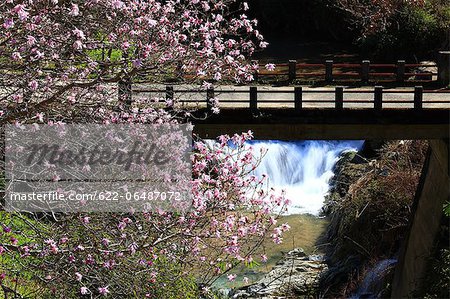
x=415 y=33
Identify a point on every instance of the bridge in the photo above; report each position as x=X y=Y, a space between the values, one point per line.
x=298 y=113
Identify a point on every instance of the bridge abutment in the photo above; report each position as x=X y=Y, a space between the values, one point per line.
x=432 y=192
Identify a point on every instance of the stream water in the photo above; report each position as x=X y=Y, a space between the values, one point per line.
x=372 y=284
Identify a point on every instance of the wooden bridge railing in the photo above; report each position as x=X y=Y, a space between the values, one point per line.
x=365 y=72
x=298 y=100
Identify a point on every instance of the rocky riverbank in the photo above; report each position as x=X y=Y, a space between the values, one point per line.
x=295 y=275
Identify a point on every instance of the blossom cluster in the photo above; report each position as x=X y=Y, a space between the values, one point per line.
x=74 y=51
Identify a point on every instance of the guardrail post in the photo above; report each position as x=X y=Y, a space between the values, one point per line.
x=418 y=97
x=365 y=68
x=444 y=68
x=253 y=98
x=401 y=71
x=209 y=96
x=298 y=98
x=329 y=71
x=292 y=70
x=169 y=94
x=339 y=97
x=378 y=98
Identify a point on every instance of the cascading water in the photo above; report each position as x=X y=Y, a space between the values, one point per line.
x=372 y=284
x=303 y=169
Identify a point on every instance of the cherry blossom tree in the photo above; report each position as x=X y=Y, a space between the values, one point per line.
x=94 y=253
x=72 y=53
x=70 y=61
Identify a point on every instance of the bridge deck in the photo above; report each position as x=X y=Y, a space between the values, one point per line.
x=283 y=97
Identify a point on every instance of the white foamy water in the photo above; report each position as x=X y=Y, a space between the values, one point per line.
x=303 y=169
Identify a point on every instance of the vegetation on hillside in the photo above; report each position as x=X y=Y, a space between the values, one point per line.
x=412 y=32
x=383 y=30
x=369 y=210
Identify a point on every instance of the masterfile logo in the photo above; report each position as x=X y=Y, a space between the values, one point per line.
x=91 y=167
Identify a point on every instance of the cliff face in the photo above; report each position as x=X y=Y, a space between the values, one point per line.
x=369 y=206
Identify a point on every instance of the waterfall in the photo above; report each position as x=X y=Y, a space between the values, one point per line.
x=372 y=284
x=303 y=169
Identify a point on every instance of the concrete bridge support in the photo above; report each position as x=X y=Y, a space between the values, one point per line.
x=433 y=191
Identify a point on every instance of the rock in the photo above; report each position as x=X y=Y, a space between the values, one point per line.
x=297 y=252
x=317 y=258
x=425 y=71
x=225 y=292
x=297 y=273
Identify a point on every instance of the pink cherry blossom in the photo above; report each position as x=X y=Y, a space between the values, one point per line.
x=263 y=258
x=9 y=23
x=79 y=34
x=33 y=85
x=78 y=45
x=13 y=240
x=270 y=66
x=84 y=290
x=75 y=10
x=125 y=46
x=31 y=40
x=105 y=242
